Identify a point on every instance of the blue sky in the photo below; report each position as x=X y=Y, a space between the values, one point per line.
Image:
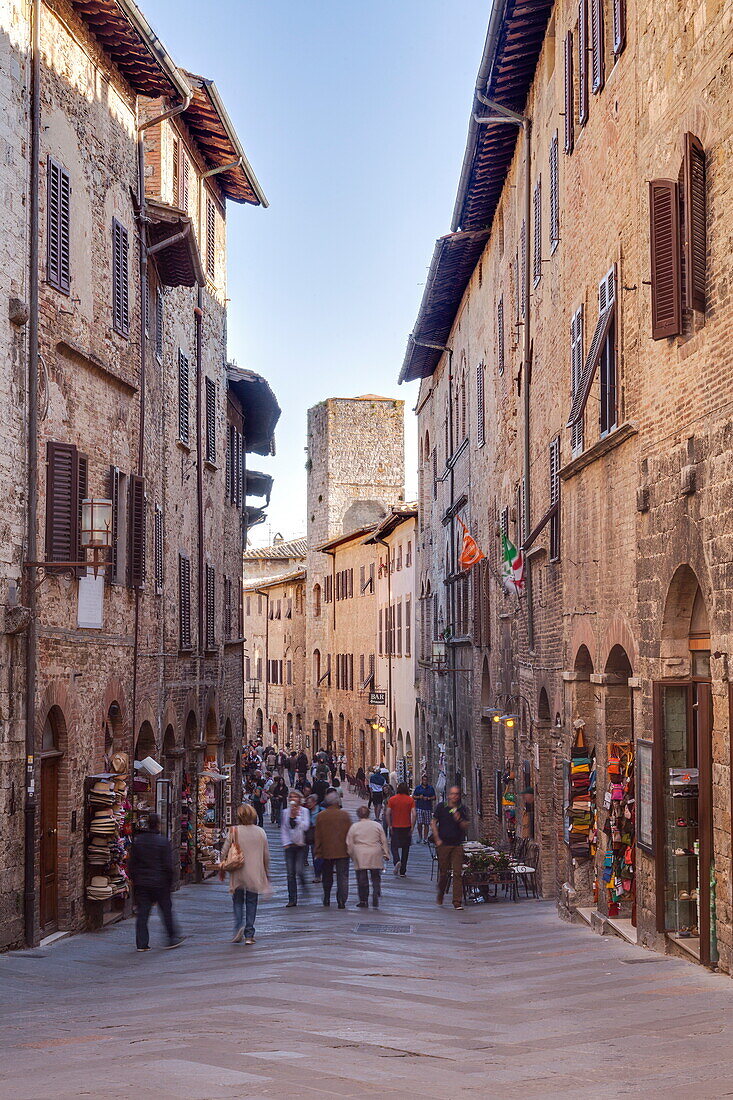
x=354 y=116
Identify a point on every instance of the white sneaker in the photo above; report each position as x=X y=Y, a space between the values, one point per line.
x=396 y=869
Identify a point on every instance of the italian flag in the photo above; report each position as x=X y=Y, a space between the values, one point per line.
x=512 y=567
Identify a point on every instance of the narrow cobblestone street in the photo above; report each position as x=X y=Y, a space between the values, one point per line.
x=499 y=997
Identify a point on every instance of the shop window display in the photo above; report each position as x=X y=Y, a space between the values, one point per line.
x=619 y=829
x=211 y=830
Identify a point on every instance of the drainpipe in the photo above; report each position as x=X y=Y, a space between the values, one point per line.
x=199 y=315
x=506 y=116
x=29 y=894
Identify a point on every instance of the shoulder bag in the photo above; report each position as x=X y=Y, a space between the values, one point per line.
x=235 y=856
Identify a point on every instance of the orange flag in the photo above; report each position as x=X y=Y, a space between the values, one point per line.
x=470 y=554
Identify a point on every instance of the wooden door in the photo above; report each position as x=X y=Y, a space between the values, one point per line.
x=705 y=811
x=49 y=843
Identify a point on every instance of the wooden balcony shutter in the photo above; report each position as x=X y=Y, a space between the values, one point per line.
x=210 y=421
x=62 y=501
x=114 y=495
x=184 y=601
x=569 y=95
x=228 y=475
x=137 y=532
x=695 y=235
x=158 y=549
x=82 y=492
x=239 y=467
x=58 y=227
x=210 y=580
x=183 y=399
x=619 y=26
x=598 y=59
x=664 y=239
x=480 y=409
x=210 y=238
x=176 y=173
x=120 y=279
x=583 y=62
x=184 y=176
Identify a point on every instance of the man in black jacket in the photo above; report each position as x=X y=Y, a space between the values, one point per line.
x=151 y=871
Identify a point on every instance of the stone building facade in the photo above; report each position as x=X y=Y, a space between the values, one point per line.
x=135 y=403
x=571 y=345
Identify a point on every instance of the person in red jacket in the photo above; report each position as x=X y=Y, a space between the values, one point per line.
x=400 y=816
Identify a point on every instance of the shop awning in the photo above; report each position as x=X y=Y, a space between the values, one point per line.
x=172 y=244
x=258 y=484
x=259 y=406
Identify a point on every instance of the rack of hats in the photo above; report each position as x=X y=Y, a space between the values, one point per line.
x=211 y=829
x=582 y=800
x=107 y=831
x=685 y=857
x=620 y=803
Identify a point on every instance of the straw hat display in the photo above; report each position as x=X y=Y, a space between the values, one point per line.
x=120 y=762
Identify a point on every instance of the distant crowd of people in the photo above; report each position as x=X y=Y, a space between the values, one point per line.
x=305 y=801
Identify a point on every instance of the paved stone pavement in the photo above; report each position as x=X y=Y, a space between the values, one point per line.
x=501 y=998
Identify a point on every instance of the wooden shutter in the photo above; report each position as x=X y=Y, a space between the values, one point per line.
x=210 y=580
x=136 y=557
x=82 y=491
x=227 y=608
x=555 y=499
x=239 y=467
x=694 y=241
x=158 y=549
x=554 y=194
x=240 y=608
x=62 y=501
x=598 y=45
x=183 y=398
x=381 y=644
x=576 y=374
x=210 y=238
x=582 y=62
x=228 y=476
x=619 y=26
x=114 y=495
x=176 y=173
x=480 y=407
x=408 y=626
x=120 y=283
x=184 y=601
x=58 y=226
x=523 y=261
x=159 y=324
x=569 y=95
x=537 y=243
x=664 y=239
x=500 y=335
x=184 y=181
x=210 y=421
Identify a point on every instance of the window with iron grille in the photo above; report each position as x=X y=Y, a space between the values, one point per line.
x=183 y=399
x=555 y=499
x=120 y=279
x=58 y=227
x=210 y=421
x=537 y=244
x=158 y=549
x=554 y=194
x=159 y=324
x=184 y=601
x=210 y=237
x=210 y=586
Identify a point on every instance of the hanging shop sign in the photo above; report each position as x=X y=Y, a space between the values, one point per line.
x=377 y=698
x=644 y=818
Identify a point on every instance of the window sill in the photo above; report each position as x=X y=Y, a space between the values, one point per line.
x=210 y=465
x=184 y=446
x=233 y=642
x=599 y=449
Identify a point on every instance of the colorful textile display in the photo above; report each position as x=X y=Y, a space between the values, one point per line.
x=582 y=807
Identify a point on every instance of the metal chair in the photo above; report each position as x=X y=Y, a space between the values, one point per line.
x=525 y=871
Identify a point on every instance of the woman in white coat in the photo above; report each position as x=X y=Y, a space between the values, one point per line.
x=366 y=843
x=250 y=880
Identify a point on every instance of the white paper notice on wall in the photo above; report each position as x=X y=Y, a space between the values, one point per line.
x=90 y=612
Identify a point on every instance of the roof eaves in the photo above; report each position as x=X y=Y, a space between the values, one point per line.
x=351 y=536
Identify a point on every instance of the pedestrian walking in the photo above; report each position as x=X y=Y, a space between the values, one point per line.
x=400 y=814
x=278 y=793
x=292 y=767
x=293 y=833
x=450 y=824
x=342 y=767
x=313 y=808
x=301 y=764
x=252 y=877
x=366 y=844
x=424 y=795
x=151 y=872
x=332 y=825
x=376 y=790
x=321 y=784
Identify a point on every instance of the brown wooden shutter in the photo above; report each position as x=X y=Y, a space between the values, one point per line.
x=598 y=45
x=480 y=406
x=114 y=495
x=183 y=398
x=184 y=181
x=58 y=226
x=210 y=421
x=619 y=26
x=62 y=502
x=210 y=238
x=695 y=233
x=582 y=62
x=227 y=608
x=537 y=242
x=210 y=580
x=82 y=492
x=523 y=263
x=555 y=499
x=120 y=284
x=158 y=549
x=176 y=173
x=184 y=601
x=228 y=477
x=239 y=468
x=569 y=95
x=500 y=335
x=159 y=324
x=664 y=239
x=136 y=513
x=554 y=194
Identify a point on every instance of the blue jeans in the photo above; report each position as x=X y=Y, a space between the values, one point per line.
x=245 y=910
x=294 y=862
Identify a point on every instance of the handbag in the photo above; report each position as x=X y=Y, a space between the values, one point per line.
x=235 y=856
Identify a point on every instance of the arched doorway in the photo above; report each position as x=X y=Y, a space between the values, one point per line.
x=211 y=752
x=329 y=732
x=53 y=743
x=316 y=736
x=683 y=793
x=259 y=720
x=145 y=743
x=113 y=734
x=342 y=728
